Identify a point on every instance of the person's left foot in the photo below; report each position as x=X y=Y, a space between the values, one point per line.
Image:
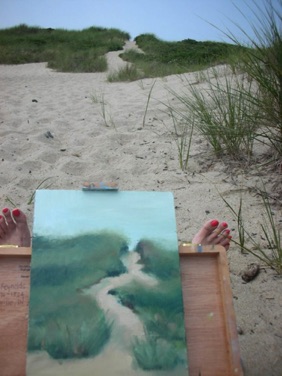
x=14 y=228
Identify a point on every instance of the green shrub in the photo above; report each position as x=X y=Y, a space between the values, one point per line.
x=128 y=73
x=162 y=58
x=158 y=261
x=155 y=354
x=64 y=50
x=82 y=61
x=76 y=330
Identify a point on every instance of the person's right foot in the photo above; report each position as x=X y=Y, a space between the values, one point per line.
x=213 y=233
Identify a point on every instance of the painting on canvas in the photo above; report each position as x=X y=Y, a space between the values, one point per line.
x=106 y=294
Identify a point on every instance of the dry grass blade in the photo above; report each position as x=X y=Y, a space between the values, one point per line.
x=147 y=103
x=270 y=253
x=40 y=185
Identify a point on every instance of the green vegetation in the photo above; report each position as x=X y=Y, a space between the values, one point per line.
x=263 y=65
x=84 y=51
x=128 y=73
x=222 y=113
x=64 y=321
x=241 y=106
x=104 y=111
x=64 y=50
x=157 y=261
x=162 y=58
x=160 y=309
x=244 y=104
x=77 y=329
x=147 y=103
x=155 y=354
x=30 y=199
x=270 y=250
x=183 y=129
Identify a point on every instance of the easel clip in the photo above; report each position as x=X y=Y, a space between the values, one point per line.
x=99 y=186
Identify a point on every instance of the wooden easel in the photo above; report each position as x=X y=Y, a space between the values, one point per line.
x=213 y=348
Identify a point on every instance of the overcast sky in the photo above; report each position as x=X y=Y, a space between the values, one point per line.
x=170 y=20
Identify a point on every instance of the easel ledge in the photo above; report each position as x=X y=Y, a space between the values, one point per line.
x=210 y=322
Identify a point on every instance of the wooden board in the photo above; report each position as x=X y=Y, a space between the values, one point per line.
x=14 y=296
x=210 y=322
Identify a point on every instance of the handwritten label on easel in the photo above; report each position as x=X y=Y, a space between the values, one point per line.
x=12 y=294
x=14 y=285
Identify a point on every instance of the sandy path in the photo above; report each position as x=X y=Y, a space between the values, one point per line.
x=126 y=324
x=115 y=62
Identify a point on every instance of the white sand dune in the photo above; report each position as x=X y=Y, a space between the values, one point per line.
x=98 y=135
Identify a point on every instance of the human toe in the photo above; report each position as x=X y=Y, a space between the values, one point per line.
x=209 y=227
x=18 y=215
x=225 y=242
x=3 y=226
x=206 y=231
x=8 y=217
x=219 y=230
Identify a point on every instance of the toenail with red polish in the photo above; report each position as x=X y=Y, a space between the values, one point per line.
x=214 y=223
x=224 y=224
x=16 y=212
x=5 y=210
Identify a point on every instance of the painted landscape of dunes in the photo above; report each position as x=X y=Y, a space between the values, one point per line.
x=106 y=294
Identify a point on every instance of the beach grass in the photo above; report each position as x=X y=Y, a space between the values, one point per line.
x=222 y=113
x=63 y=50
x=155 y=354
x=77 y=329
x=263 y=64
x=44 y=184
x=84 y=51
x=238 y=108
x=182 y=131
x=269 y=249
x=127 y=73
x=241 y=105
x=162 y=58
x=104 y=109
x=147 y=103
x=64 y=321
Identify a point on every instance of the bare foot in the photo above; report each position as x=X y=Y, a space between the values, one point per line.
x=213 y=233
x=14 y=228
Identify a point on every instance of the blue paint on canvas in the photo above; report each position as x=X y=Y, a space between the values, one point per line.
x=137 y=214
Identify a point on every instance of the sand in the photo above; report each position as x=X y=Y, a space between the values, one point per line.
x=70 y=128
